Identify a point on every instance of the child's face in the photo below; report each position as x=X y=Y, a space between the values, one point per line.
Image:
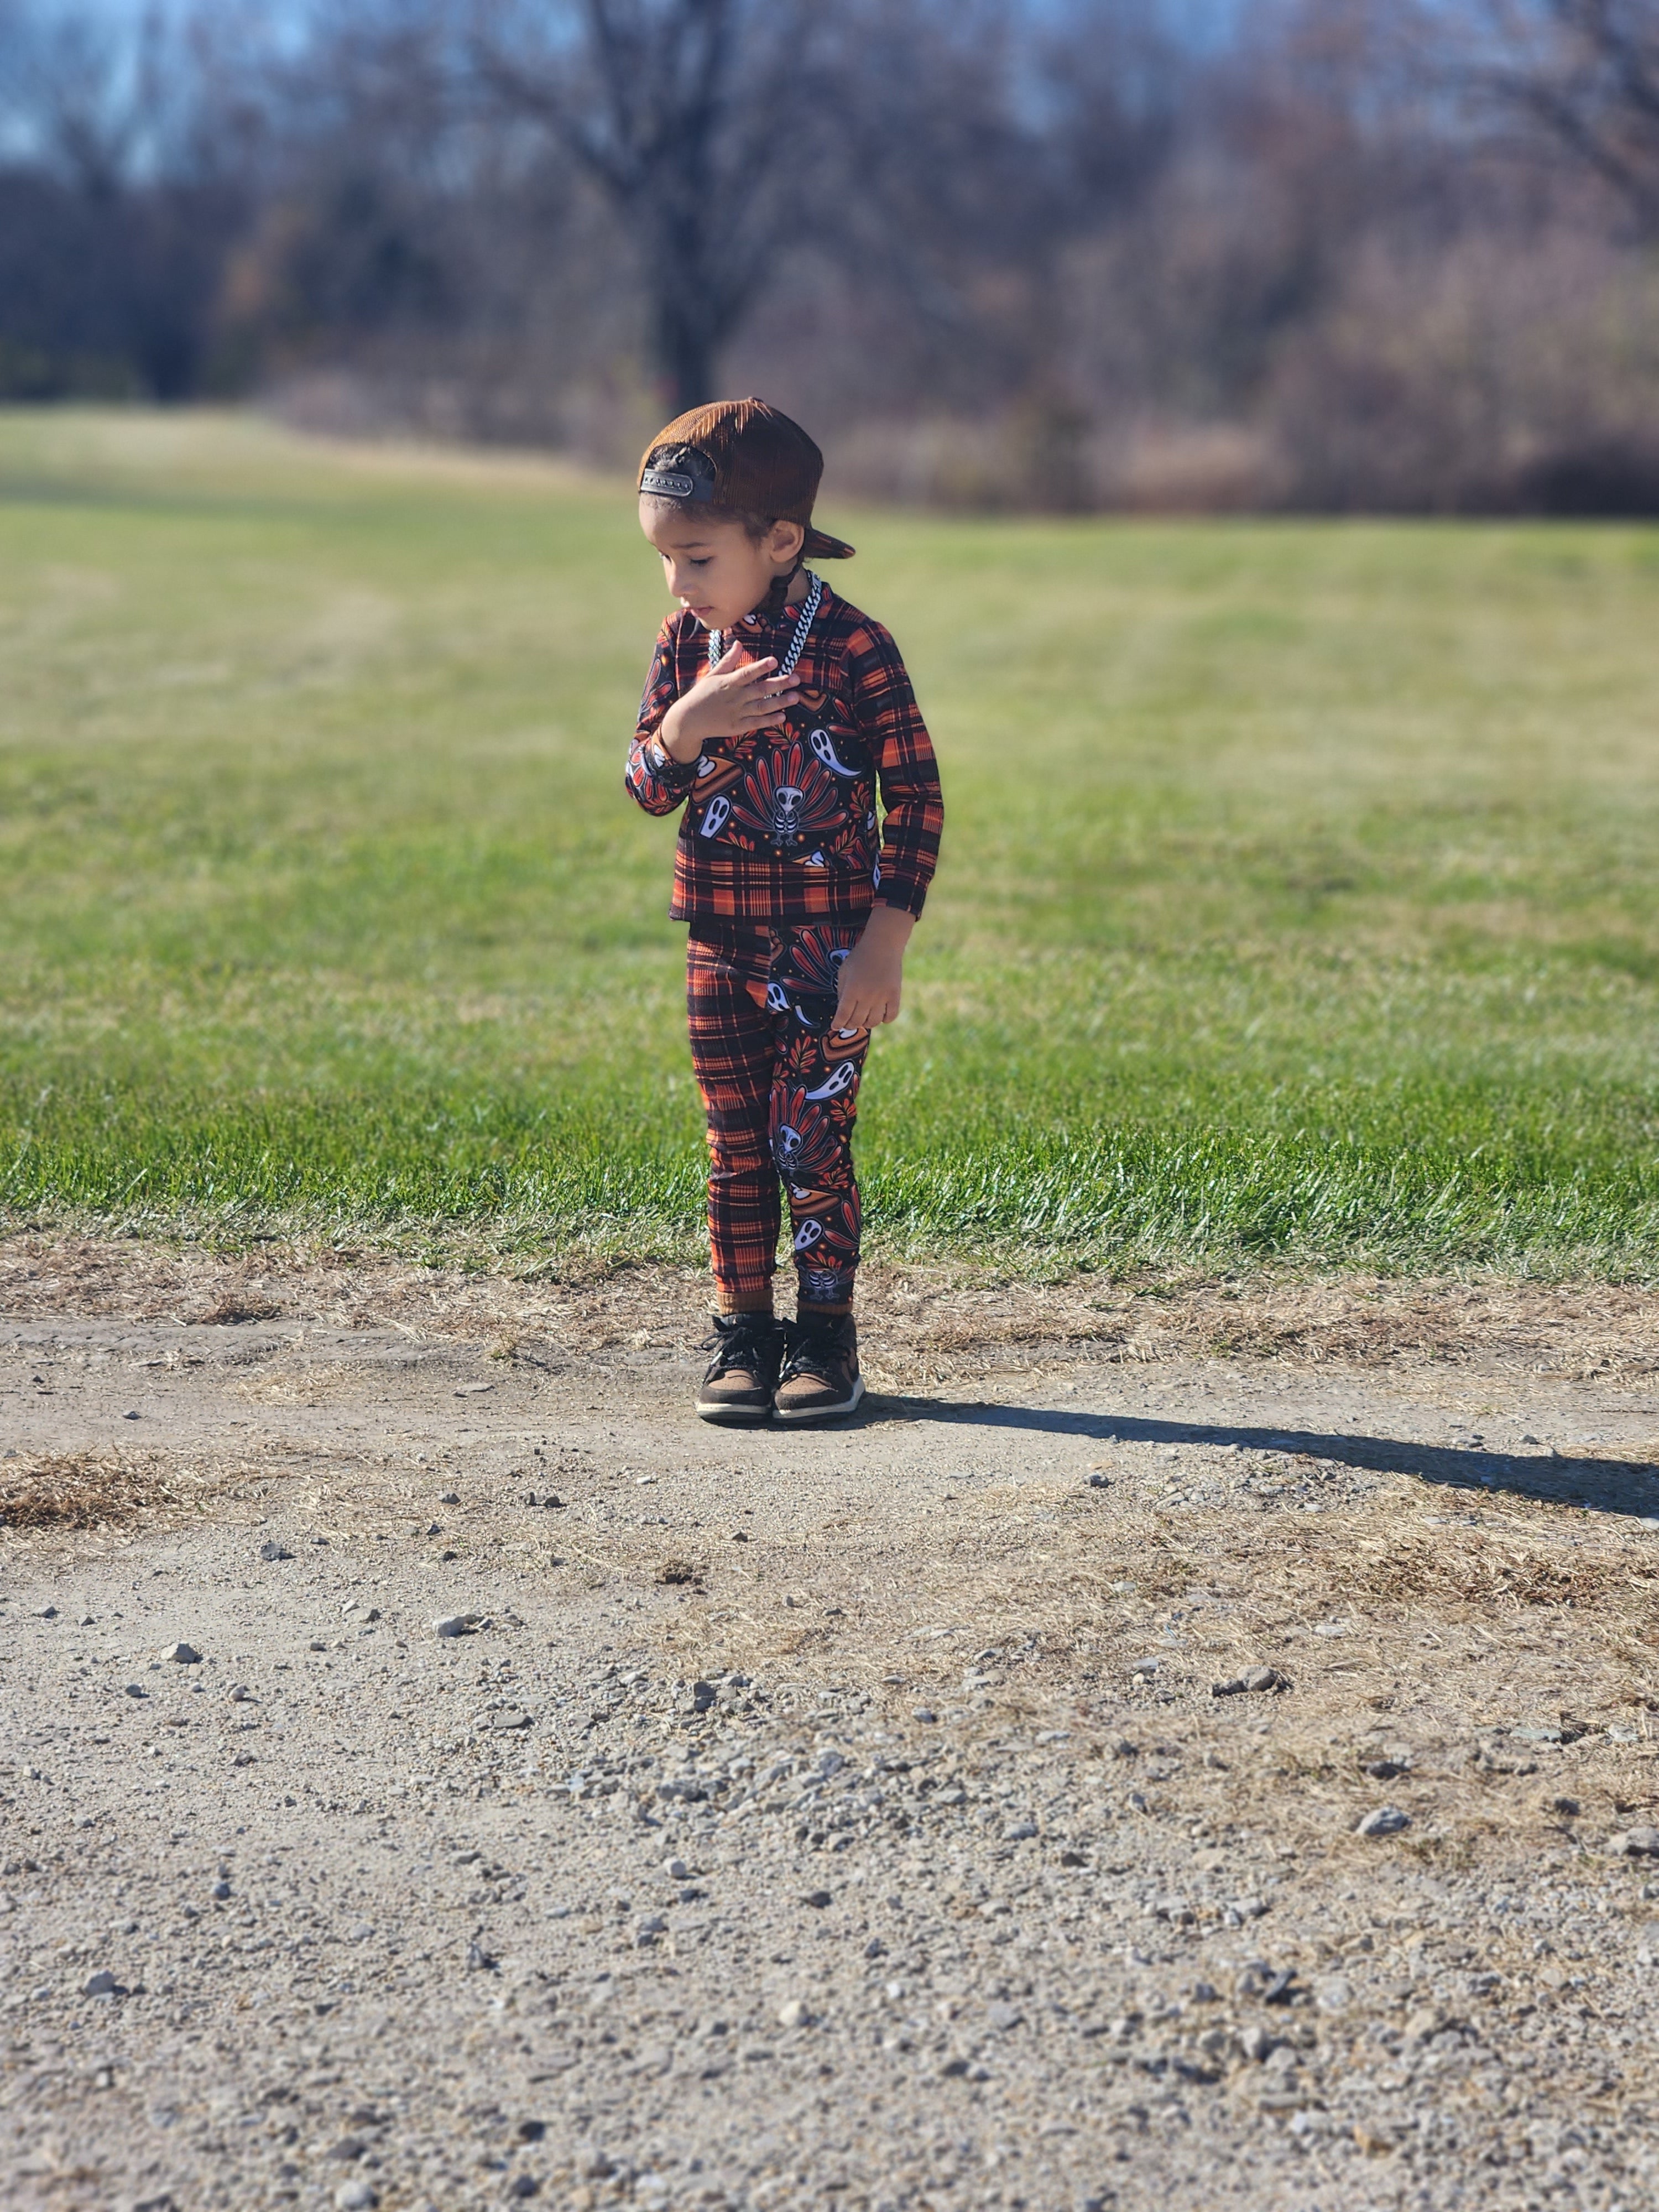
x=716 y=569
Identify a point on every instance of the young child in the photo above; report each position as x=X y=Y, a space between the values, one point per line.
x=772 y=711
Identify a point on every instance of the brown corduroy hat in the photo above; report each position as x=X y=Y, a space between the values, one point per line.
x=742 y=453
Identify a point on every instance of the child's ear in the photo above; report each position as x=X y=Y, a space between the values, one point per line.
x=787 y=539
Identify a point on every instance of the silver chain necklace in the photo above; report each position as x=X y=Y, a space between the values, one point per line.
x=797 y=643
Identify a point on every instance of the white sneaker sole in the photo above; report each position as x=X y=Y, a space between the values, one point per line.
x=826 y=1412
x=734 y=1417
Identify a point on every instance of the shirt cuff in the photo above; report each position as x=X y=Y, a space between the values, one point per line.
x=908 y=896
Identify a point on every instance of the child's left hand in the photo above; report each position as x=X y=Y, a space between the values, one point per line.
x=872 y=974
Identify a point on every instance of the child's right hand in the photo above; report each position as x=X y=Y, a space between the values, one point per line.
x=728 y=702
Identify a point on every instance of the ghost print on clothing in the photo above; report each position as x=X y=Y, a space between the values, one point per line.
x=780 y=1084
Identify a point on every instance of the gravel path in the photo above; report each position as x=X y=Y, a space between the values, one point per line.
x=844 y=1820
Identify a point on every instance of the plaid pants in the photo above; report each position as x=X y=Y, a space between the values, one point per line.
x=780 y=1088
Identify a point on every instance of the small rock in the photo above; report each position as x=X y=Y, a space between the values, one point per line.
x=1332 y=1993
x=1124 y=1749
x=818 y=1899
x=137 y=1690
x=1568 y=1807
x=129 y=1417
x=1003 y=2017
x=103 y=1983
x=348 y=2146
x=478 y=1960
x=1256 y=2044
x=508 y=1720
x=1017 y=1831
x=1205 y=1993
x=677 y=1870
x=875 y=1949
x=449 y=1497
x=221 y=1890
x=47 y=1613
x=1635 y=1843
x=794 y=2014
x=270 y=1550
x=1073 y=1858
x=1098 y=1481
x=1266 y=1678
x=926 y=1714
x=1386 y=1820
x=739 y=1535
x=1384 y=1770
x=186 y=1655
x=456 y=1624
x=1426 y=2021
x=524 y=2184
x=703 y=1695
x=357 y=2196
x=649 y=1928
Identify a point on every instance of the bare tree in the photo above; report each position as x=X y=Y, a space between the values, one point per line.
x=696 y=119
x=1586 y=73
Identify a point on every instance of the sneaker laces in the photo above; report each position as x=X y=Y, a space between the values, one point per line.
x=740 y=1340
x=812 y=1347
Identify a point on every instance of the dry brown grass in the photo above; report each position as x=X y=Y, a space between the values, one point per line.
x=231 y=1307
x=1066 y=1607
x=94 y=1490
x=936 y=1323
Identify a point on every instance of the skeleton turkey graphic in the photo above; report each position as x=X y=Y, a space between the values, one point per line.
x=802 y=1141
x=787 y=798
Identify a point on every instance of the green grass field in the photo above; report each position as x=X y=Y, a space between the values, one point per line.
x=1298 y=902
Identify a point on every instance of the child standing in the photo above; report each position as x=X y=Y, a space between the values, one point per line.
x=773 y=711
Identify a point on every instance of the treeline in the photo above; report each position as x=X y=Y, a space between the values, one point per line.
x=1316 y=254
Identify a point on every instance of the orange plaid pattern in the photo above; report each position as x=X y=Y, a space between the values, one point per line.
x=780 y=827
x=780 y=1088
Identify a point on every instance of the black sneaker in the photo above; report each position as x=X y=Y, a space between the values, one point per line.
x=744 y=1373
x=820 y=1377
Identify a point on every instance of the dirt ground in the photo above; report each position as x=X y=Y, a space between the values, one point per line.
x=962 y=1807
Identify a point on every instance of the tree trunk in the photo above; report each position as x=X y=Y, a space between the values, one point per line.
x=682 y=352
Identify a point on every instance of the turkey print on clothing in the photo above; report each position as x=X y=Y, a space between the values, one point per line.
x=779 y=825
x=780 y=1085
x=776 y=791
x=780 y=858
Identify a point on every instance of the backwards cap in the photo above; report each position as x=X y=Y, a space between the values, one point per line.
x=742 y=453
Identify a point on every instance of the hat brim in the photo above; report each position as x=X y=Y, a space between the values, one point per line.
x=820 y=546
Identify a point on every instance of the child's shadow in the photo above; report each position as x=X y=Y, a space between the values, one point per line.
x=1621 y=1486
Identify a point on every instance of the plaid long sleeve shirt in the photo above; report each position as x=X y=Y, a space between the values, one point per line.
x=780 y=826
